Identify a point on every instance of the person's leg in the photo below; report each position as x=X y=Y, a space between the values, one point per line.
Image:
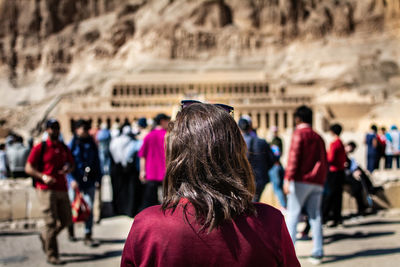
x=297 y=195
x=356 y=190
x=328 y=197
x=64 y=211
x=88 y=196
x=313 y=207
x=71 y=231
x=388 y=161
x=48 y=204
x=337 y=196
x=370 y=163
x=274 y=175
x=398 y=161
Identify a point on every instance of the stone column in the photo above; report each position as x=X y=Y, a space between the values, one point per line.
x=254 y=118
x=263 y=121
x=290 y=119
x=281 y=121
x=236 y=115
x=271 y=118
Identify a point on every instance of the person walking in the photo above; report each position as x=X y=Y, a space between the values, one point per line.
x=207 y=217
x=371 y=140
x=260 y=156
x=392 y=147
x=48 y=163
x=333 y=190
x=305 y=175
x=86 y=175
x=152 y=161
x=17 y=155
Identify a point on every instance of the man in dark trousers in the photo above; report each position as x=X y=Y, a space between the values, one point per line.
x=304 y=179
x=48 y=163
x=260 y=156
x=332 y=199
x=87 y=173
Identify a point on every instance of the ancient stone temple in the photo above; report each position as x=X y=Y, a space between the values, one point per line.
x=268 y=103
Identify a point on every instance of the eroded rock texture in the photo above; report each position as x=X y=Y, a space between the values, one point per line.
x=53 y=46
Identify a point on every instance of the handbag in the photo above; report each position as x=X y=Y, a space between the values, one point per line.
x=80 y=209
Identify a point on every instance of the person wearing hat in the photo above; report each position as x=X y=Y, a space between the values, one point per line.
x=86 y=175
x=48 y=163
x=152 y=160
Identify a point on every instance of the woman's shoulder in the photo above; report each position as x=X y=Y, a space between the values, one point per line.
x=153 y=212
x=154 y=216
x=265 y=210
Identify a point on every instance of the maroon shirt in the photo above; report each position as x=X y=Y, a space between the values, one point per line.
x=307 y=157
x=336 y=156
x=156 y=239
x=56 y=155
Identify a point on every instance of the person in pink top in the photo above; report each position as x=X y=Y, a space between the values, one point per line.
x=152 y=161
x=207 y=217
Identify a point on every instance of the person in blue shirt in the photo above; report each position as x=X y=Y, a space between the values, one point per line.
x=371 y=140
x=86 y=175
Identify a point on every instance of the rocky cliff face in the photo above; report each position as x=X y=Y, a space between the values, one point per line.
x=53 y=46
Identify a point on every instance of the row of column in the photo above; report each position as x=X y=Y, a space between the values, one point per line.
x=261 y=119
x=265 y=119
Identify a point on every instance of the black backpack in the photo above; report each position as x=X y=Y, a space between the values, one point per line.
x=270 y=158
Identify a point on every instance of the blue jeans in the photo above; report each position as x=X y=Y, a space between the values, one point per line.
x=308 y=196
x=104 y=156
x=88 y=196
x=276 y=174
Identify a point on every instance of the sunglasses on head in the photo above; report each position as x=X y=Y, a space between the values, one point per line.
x=186 y=103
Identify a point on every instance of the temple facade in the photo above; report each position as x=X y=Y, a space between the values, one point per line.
x=268 y=103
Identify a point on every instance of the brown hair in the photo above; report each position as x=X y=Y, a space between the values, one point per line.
x=207 y=165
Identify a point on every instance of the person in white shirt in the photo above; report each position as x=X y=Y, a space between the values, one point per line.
x=392 y=150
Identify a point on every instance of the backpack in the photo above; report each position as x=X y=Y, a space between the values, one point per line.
x=270 y=158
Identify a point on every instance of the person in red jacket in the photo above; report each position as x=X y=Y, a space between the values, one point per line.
x=332 y=200
x=207 y=217
x=304 y=179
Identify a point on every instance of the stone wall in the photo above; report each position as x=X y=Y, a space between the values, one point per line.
x=18 y=200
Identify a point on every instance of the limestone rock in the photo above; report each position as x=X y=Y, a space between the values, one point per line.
x=51 y=47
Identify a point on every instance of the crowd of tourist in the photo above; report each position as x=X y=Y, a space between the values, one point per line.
x=383 y=146
x=198 y=161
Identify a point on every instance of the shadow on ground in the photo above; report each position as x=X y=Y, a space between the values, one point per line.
x=362 y=253
x=373 y=223
x=328 y=239
x=83 y=257
x=18 y=233
x=110 y=241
